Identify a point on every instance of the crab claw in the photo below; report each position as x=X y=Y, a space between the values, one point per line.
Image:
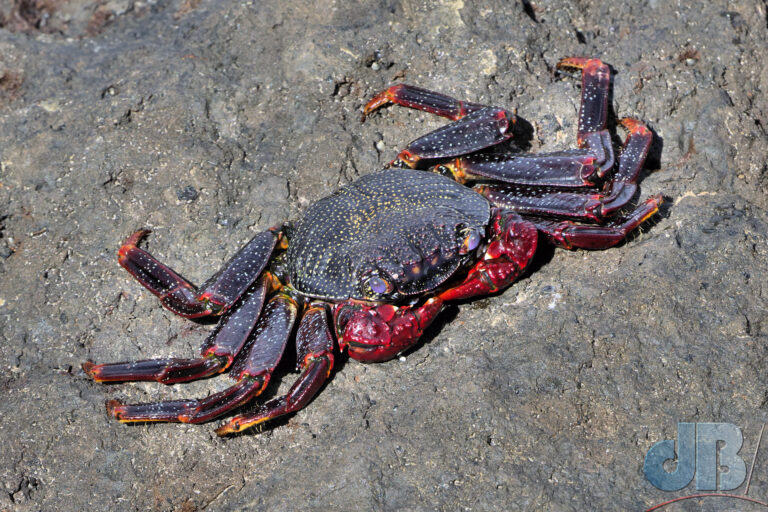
x=380 y=333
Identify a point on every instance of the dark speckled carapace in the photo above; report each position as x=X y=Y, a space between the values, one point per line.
x=403 y=225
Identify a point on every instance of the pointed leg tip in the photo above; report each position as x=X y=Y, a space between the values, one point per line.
x=571 y=63
x=655 y=201
x=368 y=108
x=130 y=243
x=227 y=428
x=240 y=423
x=633 y=126
x=93 y=371
x=578 y=62
x=652 y=205
x=383 y=98
x=115 y=409
x=88 y=368
x=136 y=236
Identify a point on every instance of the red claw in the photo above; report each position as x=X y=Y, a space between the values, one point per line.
x=380 y=333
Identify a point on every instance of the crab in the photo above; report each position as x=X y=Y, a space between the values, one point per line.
x=367 y=269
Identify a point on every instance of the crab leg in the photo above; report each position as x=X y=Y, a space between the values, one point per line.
x=586 y=236
x=570 y=168
x=457 y=139
x=216 y=353
x=631 y=159
x=314 y=347
x=593 y=112
x=595 y=81
x=421 y=99
x=217 y=294
x=589 y=203
x=536 y=201
x=479 y=130
x=475 y=126
x=252 y=369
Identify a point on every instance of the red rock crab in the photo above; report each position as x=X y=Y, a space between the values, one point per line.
x=368 y=268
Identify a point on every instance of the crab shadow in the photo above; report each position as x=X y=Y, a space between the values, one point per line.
x=522 y=134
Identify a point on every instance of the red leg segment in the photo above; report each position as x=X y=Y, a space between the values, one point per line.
x=314 y=345
x=252 y=368
x=218 y=293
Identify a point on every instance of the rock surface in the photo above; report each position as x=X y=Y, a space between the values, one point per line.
x=210 y=120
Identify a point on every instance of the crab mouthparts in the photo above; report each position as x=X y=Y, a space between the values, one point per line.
x=366 y=331
x=368 y=335
x=355 y=347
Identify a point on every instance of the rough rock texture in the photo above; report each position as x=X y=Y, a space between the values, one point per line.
x=209 y=120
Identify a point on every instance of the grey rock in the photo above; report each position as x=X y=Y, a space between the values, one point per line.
x=544 y=397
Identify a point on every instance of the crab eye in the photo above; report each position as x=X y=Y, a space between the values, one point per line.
x=375 y=284
x=378 y=285
x=470 y=243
